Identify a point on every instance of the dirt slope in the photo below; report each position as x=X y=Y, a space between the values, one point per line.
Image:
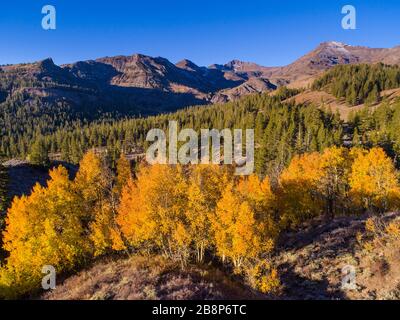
x=310 y=263
x=139 y=278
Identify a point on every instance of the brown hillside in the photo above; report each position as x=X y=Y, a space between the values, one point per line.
x=310 y=264
x=139 y=278
x=327 y=100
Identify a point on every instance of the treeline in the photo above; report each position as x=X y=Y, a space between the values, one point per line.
x=281 y=130
x=379 y=127
x=359 y=83
x=198 y=213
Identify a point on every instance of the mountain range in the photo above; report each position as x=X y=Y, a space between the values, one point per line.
x=141 y=84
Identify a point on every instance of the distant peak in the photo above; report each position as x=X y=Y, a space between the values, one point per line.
x=140 y=56
x=46 y=62
x=334 y=44
x=187 y=64
x=47 y=65
x=235 y=62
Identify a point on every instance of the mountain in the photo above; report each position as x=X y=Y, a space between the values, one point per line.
x=327 y=55
x=139 y=84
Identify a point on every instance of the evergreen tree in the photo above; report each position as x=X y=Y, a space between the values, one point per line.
x=38 y=154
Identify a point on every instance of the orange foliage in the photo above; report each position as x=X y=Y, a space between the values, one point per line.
x=43 y=229
x=374 y=181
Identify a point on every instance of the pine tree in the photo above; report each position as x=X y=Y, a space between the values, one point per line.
x=38 y=154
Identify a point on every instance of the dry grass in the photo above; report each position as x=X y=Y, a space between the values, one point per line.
x=311 y=261
x=139 y=278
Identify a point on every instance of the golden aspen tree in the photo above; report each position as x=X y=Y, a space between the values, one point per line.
x=374 y=181
x=182 y=238
x=132 y=216
x=262 y=201
x=91 y=181
x=197 y=214
x=298 y=195
x=224 y=220
x=240 y=233
x=124 y=173
x=333 y=184
x=93 y=185
x=205 y=187
x=152 y=207
x=42 y=229
x=104 y=232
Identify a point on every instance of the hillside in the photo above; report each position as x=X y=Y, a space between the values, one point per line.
x=312 y=259
x=309 y=261
x=149 y=278
x=327 y=55
x=139 y=84
x=326 y=100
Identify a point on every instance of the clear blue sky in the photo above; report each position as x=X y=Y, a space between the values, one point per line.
x=204 y=31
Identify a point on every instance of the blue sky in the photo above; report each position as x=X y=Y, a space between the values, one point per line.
x=267 y=32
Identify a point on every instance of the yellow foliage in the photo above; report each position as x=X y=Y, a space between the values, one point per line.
x=184 y=212
x=264 y=277
x=369 y=246
x=123 y=173
x=370 y=225
x=96 y=206
x=152 y=206
x=104 y=233
x=298 y=185
x=43 y=229
x=242 y=225
x=393 y=229
x=374 y=181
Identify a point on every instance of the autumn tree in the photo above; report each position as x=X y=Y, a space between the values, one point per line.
x=333 y=184
x=42 y=229
x=298 y=196
x=93 y=186
x=152 y=211
x=124 y=173
x=242 y=229
x=374 y=181
x=205 y=187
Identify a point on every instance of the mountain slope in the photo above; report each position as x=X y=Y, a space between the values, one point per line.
x=327 y=55
x=142 y=84
x=41 y=97
x=311 y=261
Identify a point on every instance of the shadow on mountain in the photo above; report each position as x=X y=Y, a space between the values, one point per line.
x=298 y=287
x=23 y=176
x=145 y=101
x=327 y=231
